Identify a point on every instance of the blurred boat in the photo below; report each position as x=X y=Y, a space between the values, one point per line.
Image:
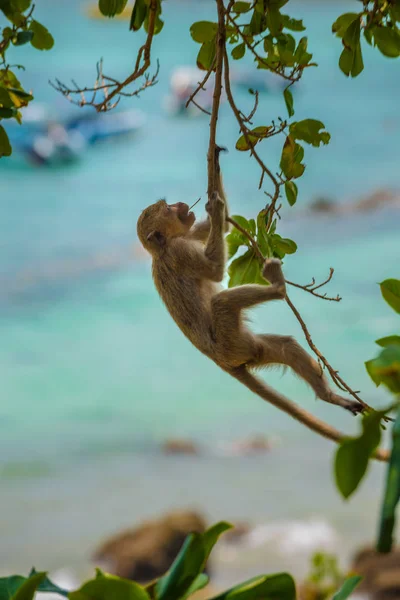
x=183 y=82
x=260 y=80
x=44 y=139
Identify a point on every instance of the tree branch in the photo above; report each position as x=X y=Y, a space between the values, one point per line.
x=104 y=83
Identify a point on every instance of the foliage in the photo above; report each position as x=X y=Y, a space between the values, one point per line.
x=377 y=22
x=353 y=454
x=325 y=579
x=22 y=29
x=184 y=578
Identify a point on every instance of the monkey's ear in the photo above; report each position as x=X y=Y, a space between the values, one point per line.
x=156 y=238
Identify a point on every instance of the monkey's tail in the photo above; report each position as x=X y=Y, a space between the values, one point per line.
x=270 y=395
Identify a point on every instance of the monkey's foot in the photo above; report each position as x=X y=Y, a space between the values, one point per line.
x=353 y=406
x=272 y=271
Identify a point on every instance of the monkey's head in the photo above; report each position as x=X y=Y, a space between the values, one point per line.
x=161 y=221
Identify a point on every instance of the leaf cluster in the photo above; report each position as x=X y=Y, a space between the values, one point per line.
x=139 y=16
x=247 y=267
x=184 y=578
x=377 y=23
x=22 y=29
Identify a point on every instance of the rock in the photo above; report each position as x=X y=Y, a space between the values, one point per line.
x=324 y=205
x=253 y=444
x=177 y=446
x=146 y=552
x=380 y=572
x=375 y=201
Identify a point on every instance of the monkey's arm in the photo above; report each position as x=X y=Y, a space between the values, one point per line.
x=196 y=261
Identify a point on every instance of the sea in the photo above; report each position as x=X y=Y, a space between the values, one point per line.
x=95 y=376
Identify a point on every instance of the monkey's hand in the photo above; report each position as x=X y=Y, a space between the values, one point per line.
x=272 y=272
x=215 y=206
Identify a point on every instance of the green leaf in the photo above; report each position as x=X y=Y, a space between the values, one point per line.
x=353 y=454
x=351 y=61
x=341 y=24
x=392 y=493
x=309 y=130
x=234 y=240
x=187 y=566
x=5 y=147
x=301 y=56
x=42 y=38
x=48 y=586
x=288 y=96
x=388 y=341
x=347 y=588
x=267 y=587
x=254 y=136
x=107 y=587
x=387 y=40
x=21 y=5
x=263 y=236
x=8 y=113
x=203 y=31
x=23 y=37
x=27 y=590
x=241 y=7
x=282 y=246
x=198 y=584
x=292 y=24
x=292 y=155
x=110 y=8
x=390 y=289
x=291 y=192
x=386 y=368
x=9 y=585
x=238 y=51
x=185 y=575
x=5 y=99
x=206 y=55
x=210 y=537
x=245 y=269
x=138 y=15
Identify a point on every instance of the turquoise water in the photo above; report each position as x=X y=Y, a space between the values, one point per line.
x=95 y=374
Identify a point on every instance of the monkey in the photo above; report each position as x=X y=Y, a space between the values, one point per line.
x=188 y=265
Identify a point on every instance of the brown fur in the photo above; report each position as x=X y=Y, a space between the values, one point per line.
x=187 y=276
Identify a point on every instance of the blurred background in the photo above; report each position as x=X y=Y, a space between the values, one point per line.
x=97 y=381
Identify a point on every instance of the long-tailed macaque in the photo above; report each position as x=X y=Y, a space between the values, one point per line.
x=188 y=263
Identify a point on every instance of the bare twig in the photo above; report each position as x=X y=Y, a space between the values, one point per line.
x=245 y=131
x=311 y=287
x=253 y=111
x=112 y=89
x=201 y=85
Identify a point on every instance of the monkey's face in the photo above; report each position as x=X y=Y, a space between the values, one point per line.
x=178 y=218
x=162 y=221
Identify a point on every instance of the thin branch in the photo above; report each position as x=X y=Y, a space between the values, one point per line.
x=244 y=129
x=341 y=384
x=311 y=287
x=201 y=85
x=111 y=88
x=253 y=111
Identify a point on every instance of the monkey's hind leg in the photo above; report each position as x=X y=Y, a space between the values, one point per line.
x=285 y=350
